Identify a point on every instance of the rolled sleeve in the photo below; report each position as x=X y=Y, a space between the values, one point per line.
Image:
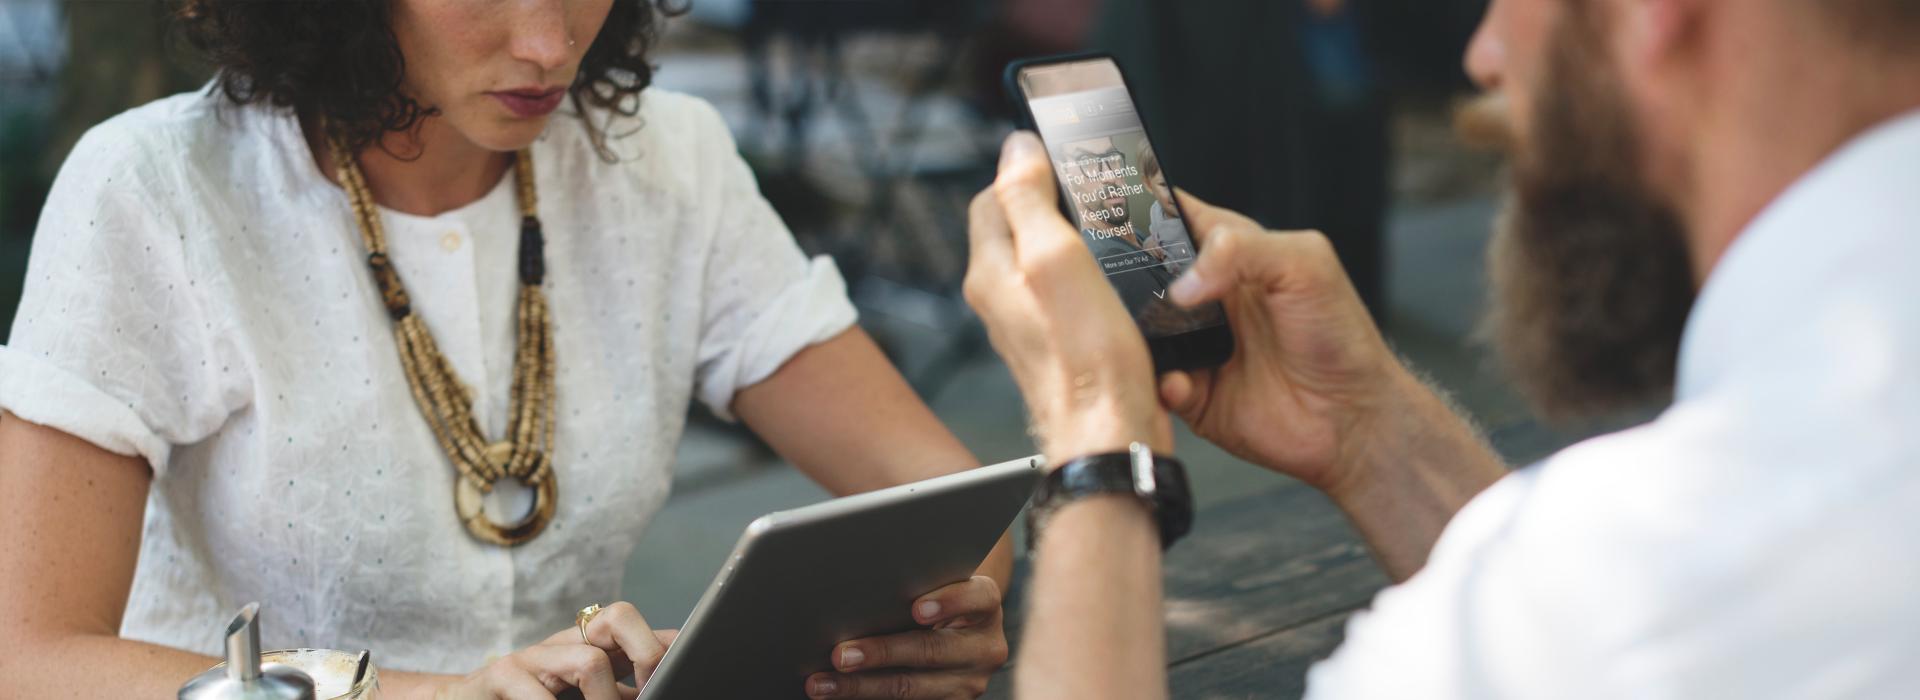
x=763 y=300
x=806 y=312
x=111 y=343
x=42 y=393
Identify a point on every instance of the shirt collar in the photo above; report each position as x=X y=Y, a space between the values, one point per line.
x=1860 y=198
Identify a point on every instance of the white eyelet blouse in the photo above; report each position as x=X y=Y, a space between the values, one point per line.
x=197 y=296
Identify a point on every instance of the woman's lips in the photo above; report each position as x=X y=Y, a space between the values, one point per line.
x=530 y=103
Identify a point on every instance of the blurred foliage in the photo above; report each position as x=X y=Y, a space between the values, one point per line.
x=119 y=58
x=23 y=142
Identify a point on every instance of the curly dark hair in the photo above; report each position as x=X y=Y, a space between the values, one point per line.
x=338 y=60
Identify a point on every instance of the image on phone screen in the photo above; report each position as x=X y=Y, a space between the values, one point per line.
x=1116 y=192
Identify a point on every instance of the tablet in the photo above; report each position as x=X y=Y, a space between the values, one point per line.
x=801 y=581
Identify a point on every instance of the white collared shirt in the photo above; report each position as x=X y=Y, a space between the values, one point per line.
x=198 y=296
x=1761 y=538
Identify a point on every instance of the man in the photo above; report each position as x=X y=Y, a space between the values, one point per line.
x=1716 y=200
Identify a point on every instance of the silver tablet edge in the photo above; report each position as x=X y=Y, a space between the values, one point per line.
x=778 y=519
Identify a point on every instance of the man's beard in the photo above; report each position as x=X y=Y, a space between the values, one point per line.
x=1592 y=281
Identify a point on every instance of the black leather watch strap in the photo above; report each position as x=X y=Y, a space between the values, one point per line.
x=1163 y=489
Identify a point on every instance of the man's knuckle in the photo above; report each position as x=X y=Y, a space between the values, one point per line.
x=1013 y=189
x=901 y=686
x=982 y=203
x=1317 y=242
x=1051 y=261
x=973 y=288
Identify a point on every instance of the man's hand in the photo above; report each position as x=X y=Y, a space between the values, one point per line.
x=1077 y=355
x=1313 y=392
x=963 y=645
x=1309 y=370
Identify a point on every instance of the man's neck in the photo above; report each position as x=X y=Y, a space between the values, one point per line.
x=1779 y=125
x=426 y=173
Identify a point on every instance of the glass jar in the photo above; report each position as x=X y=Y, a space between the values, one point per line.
x=332 y=671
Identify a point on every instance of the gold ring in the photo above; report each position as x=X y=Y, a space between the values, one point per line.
x=586 y=616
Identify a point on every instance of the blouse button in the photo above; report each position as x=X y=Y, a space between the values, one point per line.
x=451 y=241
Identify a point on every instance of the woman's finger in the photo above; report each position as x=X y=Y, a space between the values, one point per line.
x=968 y=602
x=560 y=667
x=517 y=684
x=621 y=626
x=890 y=685
x=974 y=647
x=571 y=635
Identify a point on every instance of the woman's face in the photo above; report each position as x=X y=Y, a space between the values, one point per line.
x=495 y=69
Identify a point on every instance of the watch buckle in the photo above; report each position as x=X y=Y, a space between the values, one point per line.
x=1141 y=458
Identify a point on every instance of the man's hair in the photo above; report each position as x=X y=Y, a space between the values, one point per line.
x=339 y=61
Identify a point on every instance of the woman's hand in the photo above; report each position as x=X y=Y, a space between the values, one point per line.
x=1076 y=353
x=1310 y=374
x=963 y=645
x=619 y=643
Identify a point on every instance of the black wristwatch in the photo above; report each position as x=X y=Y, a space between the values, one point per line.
x=1159 y=482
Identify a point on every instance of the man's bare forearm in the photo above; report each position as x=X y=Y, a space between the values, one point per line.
x=1095 y=606
x=1415 y=466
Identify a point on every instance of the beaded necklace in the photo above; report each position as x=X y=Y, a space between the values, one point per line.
x=525 y=454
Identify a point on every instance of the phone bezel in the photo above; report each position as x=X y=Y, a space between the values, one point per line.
x=1199 y=348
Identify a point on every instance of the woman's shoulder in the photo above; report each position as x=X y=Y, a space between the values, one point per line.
x=160 y=141
x=186 y=118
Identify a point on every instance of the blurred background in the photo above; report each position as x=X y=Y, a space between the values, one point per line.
x=870 y=123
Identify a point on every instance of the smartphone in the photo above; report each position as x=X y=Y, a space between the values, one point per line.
x=1113 y=188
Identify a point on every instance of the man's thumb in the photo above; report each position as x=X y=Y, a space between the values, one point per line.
x=1212 y=272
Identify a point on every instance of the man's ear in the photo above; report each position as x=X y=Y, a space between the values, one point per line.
x=1655 y=32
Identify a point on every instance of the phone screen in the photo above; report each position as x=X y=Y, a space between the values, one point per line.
x=1116 y=192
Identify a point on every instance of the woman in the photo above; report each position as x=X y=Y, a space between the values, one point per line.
x=375 y=336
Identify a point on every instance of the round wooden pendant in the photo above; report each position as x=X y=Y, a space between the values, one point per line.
x=470 y=502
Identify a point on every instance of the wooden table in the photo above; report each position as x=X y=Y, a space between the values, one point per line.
x=1259 y=591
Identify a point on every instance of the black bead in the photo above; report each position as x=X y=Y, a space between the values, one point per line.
x=533 y=259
